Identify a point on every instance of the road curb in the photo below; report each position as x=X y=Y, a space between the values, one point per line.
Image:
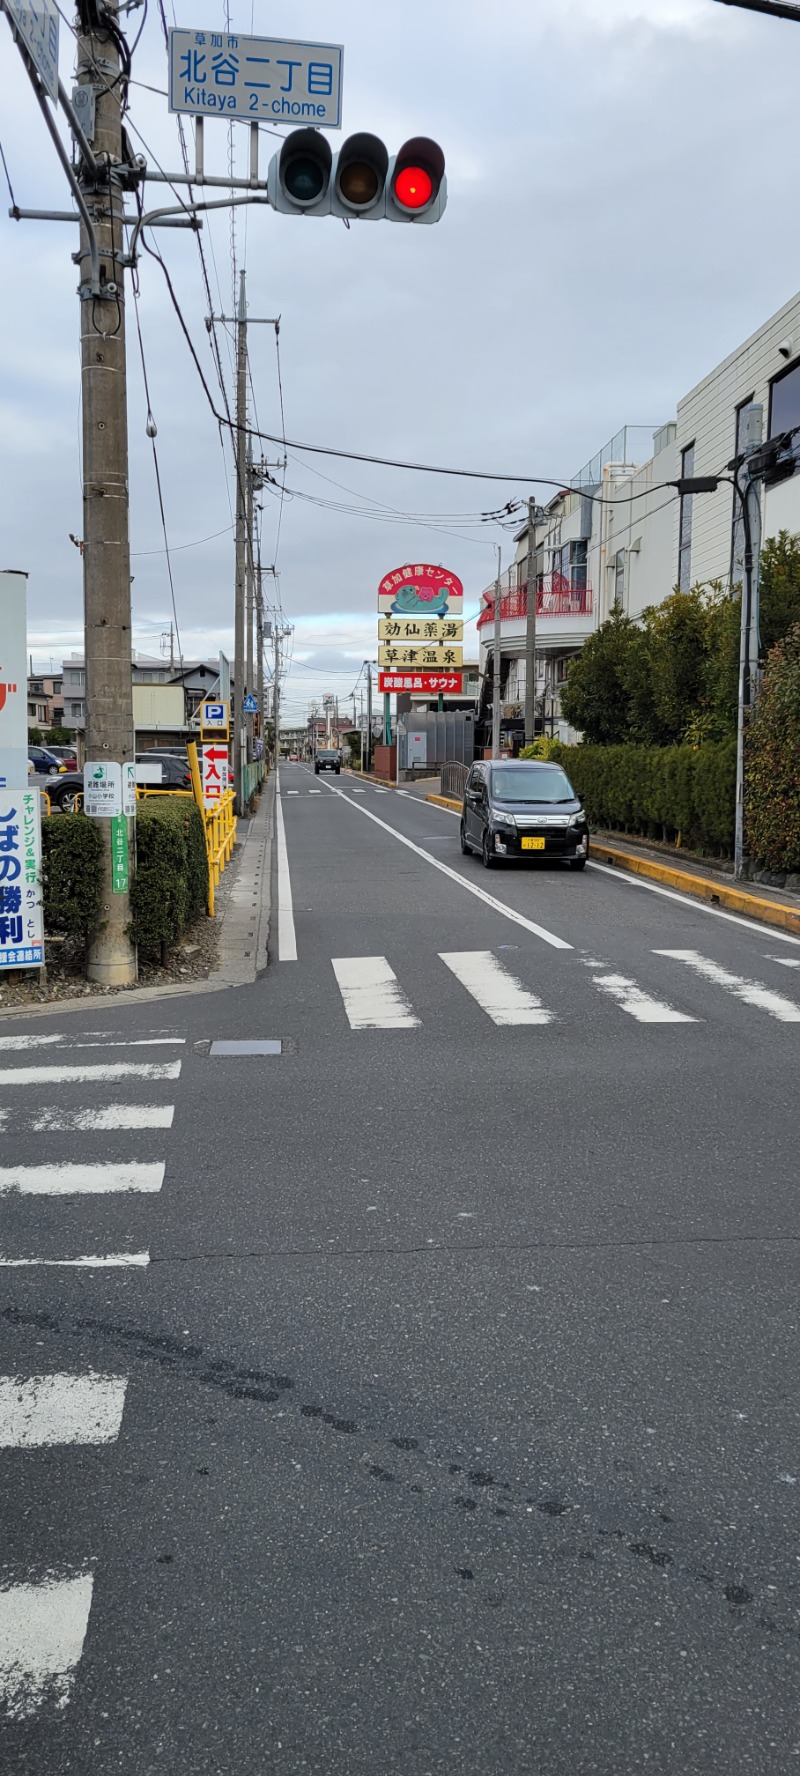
x=735 y=900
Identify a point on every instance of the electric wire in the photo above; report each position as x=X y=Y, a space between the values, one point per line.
x=157 y=470
x=8 y=177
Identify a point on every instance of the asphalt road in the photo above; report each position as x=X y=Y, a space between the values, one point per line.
x=439 y=1412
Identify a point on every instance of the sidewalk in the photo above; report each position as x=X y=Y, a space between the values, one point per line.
x=245 y=926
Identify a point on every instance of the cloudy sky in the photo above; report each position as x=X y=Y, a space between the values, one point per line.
x=621 y=214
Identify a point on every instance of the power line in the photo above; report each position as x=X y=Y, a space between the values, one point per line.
x=8 y=177
x=151 y=432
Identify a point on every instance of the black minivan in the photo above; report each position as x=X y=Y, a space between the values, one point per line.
x=523 y=808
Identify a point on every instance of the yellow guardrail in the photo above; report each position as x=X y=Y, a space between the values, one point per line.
x=220 y=827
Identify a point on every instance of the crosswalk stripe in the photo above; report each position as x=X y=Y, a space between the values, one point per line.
x=81 y=1180
x=87 y=1072
x=42 y=1631
x=631 y=998
x=785 y=961
x=498 y=992
x=20 y=1042
x=751 y=992
x=372 y=995
x=355 y=791
x=109 y=1118
x=109 y=1261
x=41 y=1410
x=134 y=1042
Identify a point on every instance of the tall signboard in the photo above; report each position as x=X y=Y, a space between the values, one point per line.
x=420 y=628
x=21 y=916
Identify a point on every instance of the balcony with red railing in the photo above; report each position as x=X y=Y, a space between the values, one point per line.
x=556 y=596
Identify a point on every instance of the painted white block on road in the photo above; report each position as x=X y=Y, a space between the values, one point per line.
x=373 y=998
x=81 y=1180
x=637 y=1003
x=20 y=1042
x=750 y=992
x=106 y=1119
x=90 y=1073
x=110 y=1261
x=42 y=1631
x=504 y=999
x=41 y=1410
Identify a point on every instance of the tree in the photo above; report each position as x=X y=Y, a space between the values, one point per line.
x=780 y=588
x=596 y=697
x=772 y=777
x=35 y=737
x=677 y=636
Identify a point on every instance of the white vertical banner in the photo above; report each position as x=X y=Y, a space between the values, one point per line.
x=13 y=681
x=21 y=912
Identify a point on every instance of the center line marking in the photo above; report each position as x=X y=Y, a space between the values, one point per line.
x=498 y=906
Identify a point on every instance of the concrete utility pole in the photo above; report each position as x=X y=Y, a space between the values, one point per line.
x=530 y=631
x=239 y=743
x=111 y=956
x=249 y=581
x=367 y=766
x=496 y=663
x=262 y=708
x=276 y=692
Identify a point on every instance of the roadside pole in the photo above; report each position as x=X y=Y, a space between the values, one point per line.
x=241 y=547
x=369 y=717
x=530 y=631
x=276 y=693
x=749 y=490
x=496 y=663
x=250 y=585
x=111 y=957
x=260 y=659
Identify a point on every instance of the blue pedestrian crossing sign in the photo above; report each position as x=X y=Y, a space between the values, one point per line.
x=250 y=704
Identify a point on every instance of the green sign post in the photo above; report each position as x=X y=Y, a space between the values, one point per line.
x=119 y=854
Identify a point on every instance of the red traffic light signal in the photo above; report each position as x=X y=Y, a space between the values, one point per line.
x=359 y=181
x=417 y=179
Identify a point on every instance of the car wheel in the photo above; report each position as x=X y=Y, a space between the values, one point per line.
x=465 y=848
x=316 y=770
x=576 y=863
x=337 y=770
x=487 y=852
x=69 y=802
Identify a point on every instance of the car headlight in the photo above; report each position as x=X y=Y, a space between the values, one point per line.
x=578 y=819
x=506 y=820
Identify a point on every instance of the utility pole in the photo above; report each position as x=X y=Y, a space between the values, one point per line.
x=748 y=487
x=368 y=765
x=530 y=631
x=496 y=663
x=111 y=957
x=250 y=585
x=241 y=548
x=260 y=657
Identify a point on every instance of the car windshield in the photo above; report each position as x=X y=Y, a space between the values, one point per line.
x=511 y=784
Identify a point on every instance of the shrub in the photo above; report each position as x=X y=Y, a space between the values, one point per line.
x=659 y=791
x=72 y=874
x=546 y=747
x=170 y=886
x=772 y=776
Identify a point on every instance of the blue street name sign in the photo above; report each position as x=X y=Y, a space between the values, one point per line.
x=257 y=79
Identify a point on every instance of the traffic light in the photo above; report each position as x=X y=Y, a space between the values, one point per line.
x=360 y=180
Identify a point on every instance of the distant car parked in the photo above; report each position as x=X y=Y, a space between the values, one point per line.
x=45 y=762
x=67 y=756
x=66 y=790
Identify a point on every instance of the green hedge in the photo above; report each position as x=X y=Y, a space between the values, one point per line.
x=659 y=791
x=170 y=887
x=72 y=874
x=772 y=776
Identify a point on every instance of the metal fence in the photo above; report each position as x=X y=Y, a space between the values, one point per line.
x=454 y=777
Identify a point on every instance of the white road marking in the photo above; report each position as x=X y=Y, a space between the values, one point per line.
x=689 y=904
x=383 y=792
x=373 y=998
x=28 y=1041
x=136 y=1042
x=632 y=999
x=88 y=1072
x=315 y=792
x=498 y=906
x=287 y=941
x=751 y=992
x=109 y=1118
x=498 y=993
x=81 y=1180
x=41 y=1410
x=111 y=1261
x=291 y=792
x=42 y=1631
x=358 y=792
x=785 y=961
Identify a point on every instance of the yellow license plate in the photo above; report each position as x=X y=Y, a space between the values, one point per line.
x=533 y=844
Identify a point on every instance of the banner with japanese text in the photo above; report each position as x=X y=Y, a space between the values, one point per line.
x=21 y=912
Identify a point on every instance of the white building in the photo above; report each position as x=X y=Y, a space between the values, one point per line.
x=619 y=538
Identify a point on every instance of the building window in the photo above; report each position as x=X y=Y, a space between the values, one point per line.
x=737 y=523
x=619 y=580
x=784 y=401
x=685 y=525
x=76 y=710
x=75 y=677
